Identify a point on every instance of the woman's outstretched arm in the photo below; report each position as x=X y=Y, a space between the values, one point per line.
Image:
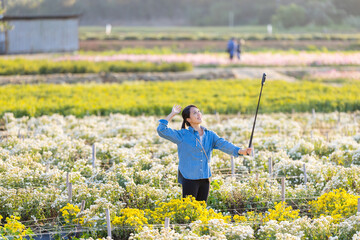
x=229 y=148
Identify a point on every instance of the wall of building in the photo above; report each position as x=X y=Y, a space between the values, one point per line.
x=42 y=36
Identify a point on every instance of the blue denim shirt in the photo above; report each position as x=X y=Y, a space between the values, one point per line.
x=193 y=162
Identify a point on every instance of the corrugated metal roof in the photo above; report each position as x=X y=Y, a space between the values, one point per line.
x=33 y=17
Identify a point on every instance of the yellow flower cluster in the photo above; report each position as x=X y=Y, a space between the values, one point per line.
x=14 y=228
x=337 y=203
x=184 y=210
x=70 y=214
x=280 y=213
x=131 y=217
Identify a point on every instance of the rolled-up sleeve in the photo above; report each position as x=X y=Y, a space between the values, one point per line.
x=170 y=134
x=225 y=146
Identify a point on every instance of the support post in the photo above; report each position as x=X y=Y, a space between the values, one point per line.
x=305 y=176
x=70 y=192
x=108 y=223
x=167 y=222
x=232 y=167
x=283 y=189
x=270 y=166
x=93 y=155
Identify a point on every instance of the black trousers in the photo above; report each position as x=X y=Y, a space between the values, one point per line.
x=199 y=189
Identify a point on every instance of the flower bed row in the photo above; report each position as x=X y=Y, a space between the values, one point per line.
x=247 y=59
x=39 y=66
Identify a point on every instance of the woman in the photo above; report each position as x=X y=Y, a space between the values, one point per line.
x=195 y=145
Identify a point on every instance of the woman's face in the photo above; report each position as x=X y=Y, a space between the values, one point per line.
x=195 y=116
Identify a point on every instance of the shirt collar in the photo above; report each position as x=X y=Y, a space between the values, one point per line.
x=192 y=130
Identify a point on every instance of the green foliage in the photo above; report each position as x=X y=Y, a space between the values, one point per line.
x=290 y=16
x=157 y=98
x=32 y=67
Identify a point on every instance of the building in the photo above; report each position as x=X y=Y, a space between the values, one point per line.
x=39 y=34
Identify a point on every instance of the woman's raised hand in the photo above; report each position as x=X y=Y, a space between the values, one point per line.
x=176 y=109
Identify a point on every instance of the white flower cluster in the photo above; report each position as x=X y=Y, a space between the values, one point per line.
x=214 y=229
x=304 y=228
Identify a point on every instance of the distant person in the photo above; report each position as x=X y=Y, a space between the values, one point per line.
x=231 y=45
x=238 y=49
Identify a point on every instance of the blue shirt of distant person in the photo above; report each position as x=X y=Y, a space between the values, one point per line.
x=231 y=47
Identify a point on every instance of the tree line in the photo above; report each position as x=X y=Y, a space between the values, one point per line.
x=285 y=13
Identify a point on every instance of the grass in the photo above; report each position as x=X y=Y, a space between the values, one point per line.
x=220 y=33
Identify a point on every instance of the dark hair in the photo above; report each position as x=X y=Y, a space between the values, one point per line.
x=186 y=114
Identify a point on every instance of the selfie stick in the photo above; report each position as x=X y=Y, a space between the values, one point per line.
x=252 y=133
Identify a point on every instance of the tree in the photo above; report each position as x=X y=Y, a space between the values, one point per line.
x=290 y=16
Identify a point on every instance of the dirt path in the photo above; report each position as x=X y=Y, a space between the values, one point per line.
x=256 y=73
x=290 y=74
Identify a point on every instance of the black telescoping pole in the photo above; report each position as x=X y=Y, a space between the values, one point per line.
x=252 y=132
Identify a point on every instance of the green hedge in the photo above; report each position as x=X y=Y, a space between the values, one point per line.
x=157 y=98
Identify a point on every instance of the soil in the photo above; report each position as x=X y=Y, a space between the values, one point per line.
x=213 y=46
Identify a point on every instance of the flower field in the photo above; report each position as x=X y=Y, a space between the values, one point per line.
x=48 y=171
x=76 y=158
x=155 y=98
